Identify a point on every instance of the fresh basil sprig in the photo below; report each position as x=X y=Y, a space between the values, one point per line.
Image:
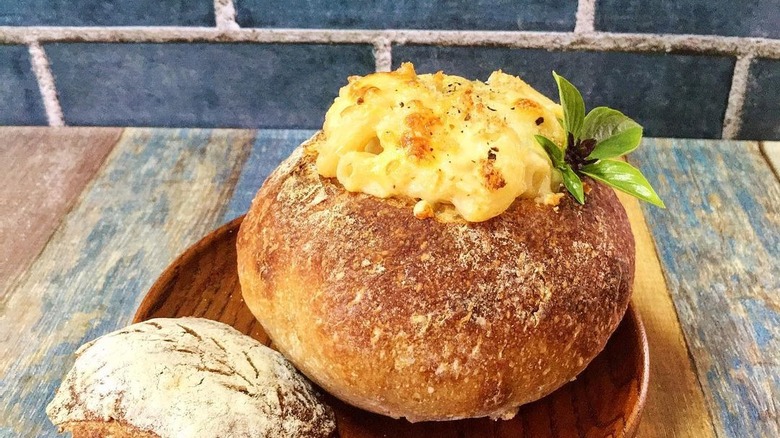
x=591 y=141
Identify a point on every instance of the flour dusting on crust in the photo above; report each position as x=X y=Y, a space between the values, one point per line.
x=432 y=319
x=189 y=377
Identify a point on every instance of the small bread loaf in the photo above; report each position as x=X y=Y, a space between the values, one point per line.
x=432 y=319
x=186 y=377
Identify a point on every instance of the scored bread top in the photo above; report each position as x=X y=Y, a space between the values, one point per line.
x=189 y=377
x=427 y=319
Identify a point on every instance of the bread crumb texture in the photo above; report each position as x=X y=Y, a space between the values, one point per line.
x=187 y=377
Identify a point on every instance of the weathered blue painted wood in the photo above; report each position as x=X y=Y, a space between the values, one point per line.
x=42 y=173
x=771 y=150
x=161 y=190
x=158 y=192
x=271 y=147
x=719 y=242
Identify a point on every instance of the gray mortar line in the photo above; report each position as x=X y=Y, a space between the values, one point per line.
x=383 y=54
x=586 y=16
x=732 y=120
x=598 y=41
x=140 y=34
x=225 y=15
x=42 y=71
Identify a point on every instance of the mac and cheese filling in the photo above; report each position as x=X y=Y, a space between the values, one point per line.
x=443 y=140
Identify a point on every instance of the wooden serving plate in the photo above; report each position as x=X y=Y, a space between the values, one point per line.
x=605 y=400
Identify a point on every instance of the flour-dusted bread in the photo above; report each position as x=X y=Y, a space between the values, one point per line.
x=432 y=319
x=186 y=377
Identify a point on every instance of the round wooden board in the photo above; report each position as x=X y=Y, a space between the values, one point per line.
x=605 y=400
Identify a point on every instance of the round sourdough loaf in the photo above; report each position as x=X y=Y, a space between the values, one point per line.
x=186 y=377
x=427 y=319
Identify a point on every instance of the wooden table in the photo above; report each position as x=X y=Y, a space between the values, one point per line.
x=89 y=217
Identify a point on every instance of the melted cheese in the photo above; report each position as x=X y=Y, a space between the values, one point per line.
x=442 y=139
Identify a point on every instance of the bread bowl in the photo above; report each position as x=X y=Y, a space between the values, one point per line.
x=417 y=302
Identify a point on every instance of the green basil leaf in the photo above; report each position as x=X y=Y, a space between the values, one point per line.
x=553 y=151
x=573 y=183
x=618 y=145
x=573 y=105
x=615 y=134
x=623 y=177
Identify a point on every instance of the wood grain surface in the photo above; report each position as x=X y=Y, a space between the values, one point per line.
x=719 y=242
x=771 y=150
x=158 y=192
x=604 y=400
x=270 y=148
x=713 y=342
x=42 y=172
x=676 y=406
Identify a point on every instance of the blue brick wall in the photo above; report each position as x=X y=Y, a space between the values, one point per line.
x=762 y=105
x=210 y=80
x=270 y=85
x=20 y=103
x=555 y=15
x=665 y=93
x=106 y=13
x=754 y=18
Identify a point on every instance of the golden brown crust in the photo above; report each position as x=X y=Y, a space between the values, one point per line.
x=101 y=429
x=430 y=320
